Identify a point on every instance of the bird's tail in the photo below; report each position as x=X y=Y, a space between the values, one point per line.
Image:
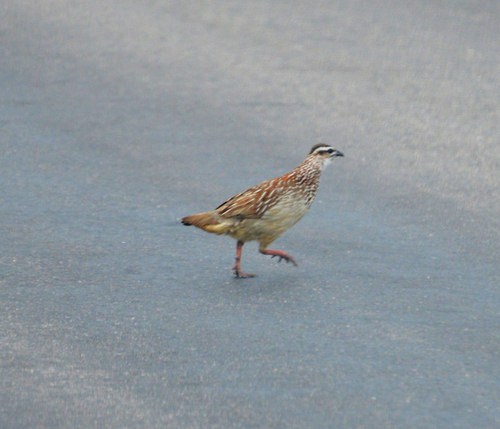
x=208 y=221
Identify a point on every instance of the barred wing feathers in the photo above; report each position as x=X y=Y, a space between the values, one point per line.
x=252 y=203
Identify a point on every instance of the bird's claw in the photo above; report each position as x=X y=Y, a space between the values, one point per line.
x=280 y=254
x=240 y=275
x=287 y=260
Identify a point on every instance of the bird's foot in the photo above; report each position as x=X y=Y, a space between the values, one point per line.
x=240 y=274
x=280 y=254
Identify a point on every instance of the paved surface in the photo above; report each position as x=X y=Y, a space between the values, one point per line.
x=119 y=117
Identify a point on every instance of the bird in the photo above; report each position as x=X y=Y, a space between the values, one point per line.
x=265 y=211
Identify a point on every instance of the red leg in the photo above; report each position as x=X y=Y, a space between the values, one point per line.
x=237 y=266
x=280 y=254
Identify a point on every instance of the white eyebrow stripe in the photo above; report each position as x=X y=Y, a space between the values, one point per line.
x=322 y=150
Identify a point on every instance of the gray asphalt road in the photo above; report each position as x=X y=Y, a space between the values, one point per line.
x=119 y=117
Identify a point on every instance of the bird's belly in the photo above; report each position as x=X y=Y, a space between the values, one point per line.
x=285 y=214
x=275 y=221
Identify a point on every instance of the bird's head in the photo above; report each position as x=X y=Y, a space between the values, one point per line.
x=324 y=153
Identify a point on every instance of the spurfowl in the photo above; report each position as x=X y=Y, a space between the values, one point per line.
x=267 y=210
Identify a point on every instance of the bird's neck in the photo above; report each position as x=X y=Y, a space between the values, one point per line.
x=309 y=172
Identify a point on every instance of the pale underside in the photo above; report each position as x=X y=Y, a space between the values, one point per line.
x=274 y=222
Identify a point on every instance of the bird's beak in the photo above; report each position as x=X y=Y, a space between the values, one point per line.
x=337 y=153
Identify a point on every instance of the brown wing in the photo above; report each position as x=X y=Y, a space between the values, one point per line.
x=250 y=204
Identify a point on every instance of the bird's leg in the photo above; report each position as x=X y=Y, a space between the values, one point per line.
x=279 y=253
x=237 y=266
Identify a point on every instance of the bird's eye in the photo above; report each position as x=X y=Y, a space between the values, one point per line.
x=330 y=150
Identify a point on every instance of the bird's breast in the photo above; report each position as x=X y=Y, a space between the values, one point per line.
x=286 y=211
